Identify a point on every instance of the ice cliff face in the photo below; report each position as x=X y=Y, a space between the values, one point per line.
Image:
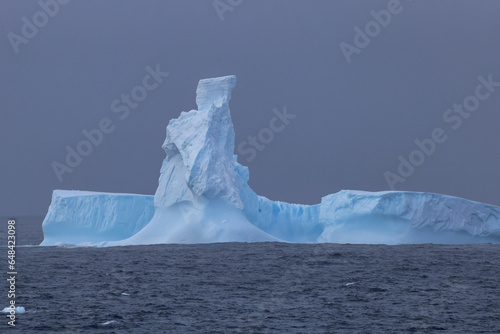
x=203 y=196
x=77 y=217
x=202 y=190
x=199 y=148
x=398 y=217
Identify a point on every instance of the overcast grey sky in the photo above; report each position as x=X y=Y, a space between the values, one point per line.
x=353 y=119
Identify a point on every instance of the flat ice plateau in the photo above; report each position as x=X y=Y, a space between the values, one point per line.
x=203 y=197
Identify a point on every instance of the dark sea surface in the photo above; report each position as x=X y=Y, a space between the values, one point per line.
x=252 y=288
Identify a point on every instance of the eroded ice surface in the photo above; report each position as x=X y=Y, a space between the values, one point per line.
x=399 y=217
x=18 y=309
x=78 y=217
x=203 y=196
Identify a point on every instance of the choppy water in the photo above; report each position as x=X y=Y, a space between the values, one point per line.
x=255 y=288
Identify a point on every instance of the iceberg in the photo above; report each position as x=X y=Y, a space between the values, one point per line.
x=399 y=217
x=18 y=309
x=203 y=196
x=79 y=217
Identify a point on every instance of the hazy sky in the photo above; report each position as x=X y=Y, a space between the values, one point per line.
x=353 y=119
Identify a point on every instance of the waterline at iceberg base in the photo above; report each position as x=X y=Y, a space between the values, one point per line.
x=203 y=197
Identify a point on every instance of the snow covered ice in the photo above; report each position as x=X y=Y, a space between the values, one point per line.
x=203 y=197
x=18 y=309
x=83 y=217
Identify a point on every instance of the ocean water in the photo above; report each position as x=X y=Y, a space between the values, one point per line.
x=253 y=288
